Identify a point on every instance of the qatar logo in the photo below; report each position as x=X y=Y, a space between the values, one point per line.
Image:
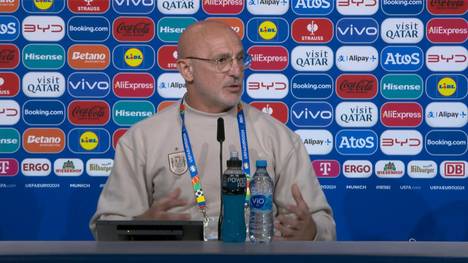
x=312 y=58
x=88 y=6
x=267 y=86
x=401 y=142
x=356 y=114
x=43 y=6
x=450 y=86
x=402 y=30
x=133 y=29
x=90 y=112
x=171 y=86
x=311 y=86
x=99 y=167
x=261 y=7
x=9 y=28
x=402 y=7
x=311 y=114
x=267 y=30
x=133 y=57
x=356 y=86
x=401 y=86
x=316 y=142
x=68 y=167
x=178 y=7
x=357 y=7
x=88 y=28
x=447 y=58
x=36 y=167
x=389 y=169
x=401 y=114
x=88 y=140
x=43 y=28
x=454 y=169
x=43 y=84
x=268 y=58
x=357 y=58
x=315 y=30
x=447 y=30
x=167 y=57
x=277 y=110
x=88 y=85
x=357 y=30
x=446 y=142
x=9 y=112
x=326 y=168
x=133 y=85
x=357 y=169
x=356 y=142
x=402 y=58
x=446 y=114
x=228 y=7
x=421 y=169
x=9 y=84
x=43 y=112
x=312 y=7
x=133 y=6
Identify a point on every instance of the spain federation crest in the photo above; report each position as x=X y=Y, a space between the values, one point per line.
x=177 y=163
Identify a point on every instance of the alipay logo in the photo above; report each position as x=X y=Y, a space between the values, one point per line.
x=357 y=58
x=317 y=142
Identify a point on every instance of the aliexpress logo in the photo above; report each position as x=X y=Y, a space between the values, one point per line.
x=447 y=30
x=277 y=110
x=91 y=112
x=9 y=6
x=312 y=30
x=88 y=57
x=230 y=7
x=268 y=57
x=167 y=56
x=9 y=84
x=133 y=85
x=356 y=86
x=42 y=140
x=401 y=114
x=235 y=23
x=133 y=29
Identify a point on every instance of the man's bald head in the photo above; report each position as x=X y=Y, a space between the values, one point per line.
x=196 y=38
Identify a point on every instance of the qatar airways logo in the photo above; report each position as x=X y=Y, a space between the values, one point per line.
x=356 y=114
x=267 y=86
x=402 y=30
x=312 y=58
x=268 y=58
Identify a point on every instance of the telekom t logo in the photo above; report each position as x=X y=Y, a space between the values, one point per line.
x=4 y=167
x=326 y=168
x=8 y=167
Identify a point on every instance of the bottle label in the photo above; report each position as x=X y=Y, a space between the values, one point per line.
x=261 y=203
x=234 y=183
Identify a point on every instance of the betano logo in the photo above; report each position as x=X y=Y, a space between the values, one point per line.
x=316 y=30
x=88 y=7
x=235 y=23
x=9 y=6
x=42 y=140
x=89 y=140
x=87 y=57
x=446 y=86
x=9 y=84
x=133 y=85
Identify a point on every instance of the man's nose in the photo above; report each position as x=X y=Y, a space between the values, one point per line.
x=236 y=68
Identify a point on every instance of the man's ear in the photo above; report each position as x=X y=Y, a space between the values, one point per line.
x=185 y=68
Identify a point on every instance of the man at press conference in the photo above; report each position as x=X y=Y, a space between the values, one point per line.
x=150 y=178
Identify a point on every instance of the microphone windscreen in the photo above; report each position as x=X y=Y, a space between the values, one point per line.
x=220 y=131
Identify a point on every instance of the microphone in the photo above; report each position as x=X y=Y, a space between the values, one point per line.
x=220 y=138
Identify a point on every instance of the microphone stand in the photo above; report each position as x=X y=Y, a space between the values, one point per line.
x=220 y=137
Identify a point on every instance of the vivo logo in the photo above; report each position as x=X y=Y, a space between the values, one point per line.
x=267 y=86
x=316 y=142
x=88 y=85
x=133 y=6
x=311 y=114
x=357 y=30
x=357 y=58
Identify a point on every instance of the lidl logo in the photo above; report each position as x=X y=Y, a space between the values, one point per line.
x=316 y=142
x=9 y=56
x=43 y=6
x=315 y=30
x=133 y=57
x=9 y=28
x=88 y=112
x=267 y=30
x=43 y=28
x=9 y=84
x=133 y=6
x=312 y=8
x=235 y=23
x=450 y=86
x=356 y=142
x=402 y=58
x=170 y=28
x=9 y=6
x=357 y=30
x=133 y=29
x=127 y=113
x=448 y=7
x=133 y=85
x=401 y=114
x=43 y=112
x=312 y=58
x=230 y=7
x=311 y=114
x=88 y=85
x=402 y=30
x=88 y=6
x=178 y=7
x=268 y=58
x=90 y=140
x=43 y=56
x=447 y=30
x=43 y=84
x=9 y=112
x=42 y=140
x=446 y=142
x=88 y=57
x=9 y=140
x=171 y=86
x=88 y=28
x=167 y=57
x=165 y=104
x=277 y=110
x=446 y=114
x=356 y=86
x=401 y=86
x=311 y=86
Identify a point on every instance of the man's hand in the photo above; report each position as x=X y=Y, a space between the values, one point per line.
x=159 y=209
x=302 y=227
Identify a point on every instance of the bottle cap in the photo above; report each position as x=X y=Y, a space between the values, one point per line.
x=234 y=160
x=261 y=163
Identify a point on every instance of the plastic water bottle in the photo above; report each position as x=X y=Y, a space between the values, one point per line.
x=261 y=205
x=234 y=183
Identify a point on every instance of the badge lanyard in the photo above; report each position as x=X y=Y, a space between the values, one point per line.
x=192 y=164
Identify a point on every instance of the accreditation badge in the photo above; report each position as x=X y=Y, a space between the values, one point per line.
x=177 y=163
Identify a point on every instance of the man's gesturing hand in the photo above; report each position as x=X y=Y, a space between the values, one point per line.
x=159 y=209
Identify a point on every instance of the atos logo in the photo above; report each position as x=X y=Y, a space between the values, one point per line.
x=9 y=28
x=133 y=85
x=88 y=28
x=9 y=84
x=312 y=58
x=117 y=135
x=127 y=113
x=401 y=114
x=357 y=7
x=235 y=23
x=99 y=167
x=68 y=167
x=88 y=56
x=357 y=30
x=447 y=58
x=277 y=110
x=88 y=6
x=43 y=56
x=401 y=142
x=356 y=114
x=356 y=142
x=268 y=58
x=167 y=57
x=357 y=58
x=41 y=140
x=9 y=6
x=89 y=140
x=326 y=168
x=9 y=56
x=311 y=114
x=170 y=28
x=88 y=85
x=402 y=58
x=446 y=142
x=43 y=84
x=402 y=30
x=389 y=169
x=451 y=86
x=316 y=30
x=356 y=86
x=357 y=169
x=267 y=30
x=133 y=57
x=312 y=7
x=43 y=6
x=36 y=167
x=133 y=29
x=133 y=6
x=447 y=7
x=454 y=169
x=9 y=140
x=230 y=7
x=447 y=30
x=43 y=112
x=43 y=28
x=9 y=112
x=178 y=7
x=267 y=86
x=446 y=114
x=91 y=112
x=261 y=7
x=8 y=167
x=403 y=7
x=401 y=86
x=171 y=86
x=312 y=86
x=422 y=169
x=316 y=142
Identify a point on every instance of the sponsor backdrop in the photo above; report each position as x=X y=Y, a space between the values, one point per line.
x=375 y=88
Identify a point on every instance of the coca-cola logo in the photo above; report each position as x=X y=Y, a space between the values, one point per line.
x=138 y=29
x=356 y=86
x=9 y=56
x=135 y=29
x=88 y=112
